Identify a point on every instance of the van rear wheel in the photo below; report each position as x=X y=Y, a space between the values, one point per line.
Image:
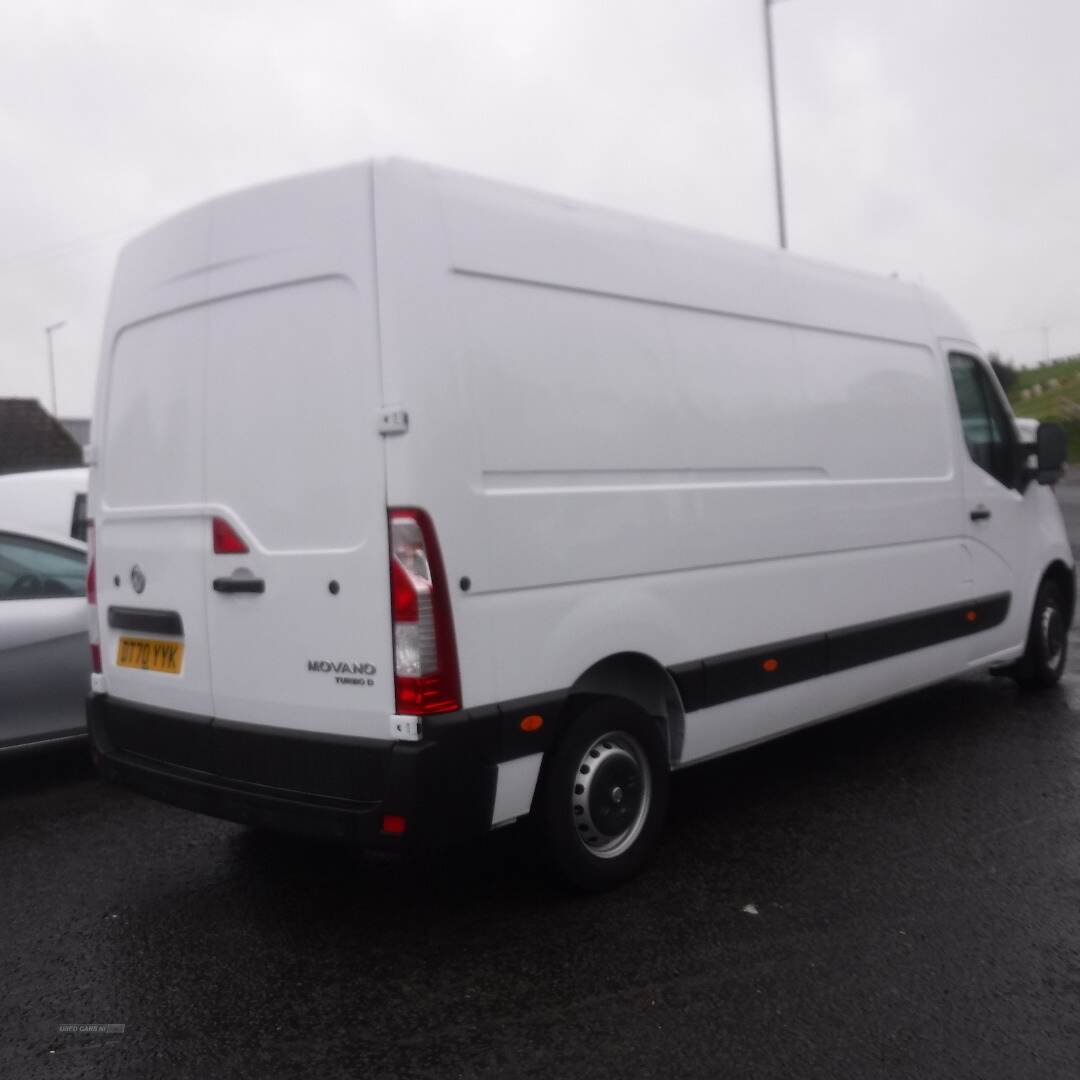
x=604 y=796
x=1048 y=640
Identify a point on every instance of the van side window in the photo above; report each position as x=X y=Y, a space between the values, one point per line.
x=986 y=425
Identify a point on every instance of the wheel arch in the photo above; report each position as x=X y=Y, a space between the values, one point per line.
x=1065 y=579
x=641 y=680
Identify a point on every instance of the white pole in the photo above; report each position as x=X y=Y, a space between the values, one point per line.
x=52 y=365
x=778 y=171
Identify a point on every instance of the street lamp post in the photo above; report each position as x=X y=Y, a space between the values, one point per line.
x=778 y=171
x=52 y=365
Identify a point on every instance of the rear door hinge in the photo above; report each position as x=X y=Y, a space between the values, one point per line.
x=393 y=420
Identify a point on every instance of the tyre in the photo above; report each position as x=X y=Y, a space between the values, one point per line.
x=1048 y=640
x=604 y=796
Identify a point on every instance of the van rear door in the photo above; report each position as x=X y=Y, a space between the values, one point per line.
x=294 y=464
x=150 y=523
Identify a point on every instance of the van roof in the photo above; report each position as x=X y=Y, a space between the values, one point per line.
x=832 y=295
x=719 y=273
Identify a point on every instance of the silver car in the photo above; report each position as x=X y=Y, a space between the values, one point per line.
x=44 y=647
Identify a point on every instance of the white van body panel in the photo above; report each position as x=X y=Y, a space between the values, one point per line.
x=654 y=505
x=720 y=729
x=637 y=444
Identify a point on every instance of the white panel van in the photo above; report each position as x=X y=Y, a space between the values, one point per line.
x=423 y=504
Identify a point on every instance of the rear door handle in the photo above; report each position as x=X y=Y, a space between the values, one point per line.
x=980 y=513
x=239 y=584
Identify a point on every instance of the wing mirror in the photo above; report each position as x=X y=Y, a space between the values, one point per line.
x=1051 y=450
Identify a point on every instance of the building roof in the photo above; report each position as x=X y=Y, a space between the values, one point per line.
x=31 y=439
x=78 y=428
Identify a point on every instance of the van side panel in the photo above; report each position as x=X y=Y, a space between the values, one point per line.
x=682 y=465
x=805 y=443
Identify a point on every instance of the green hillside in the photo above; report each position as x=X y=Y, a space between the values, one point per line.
x=1051 y=392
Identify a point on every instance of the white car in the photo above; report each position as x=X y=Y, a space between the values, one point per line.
x=47 y=500
x=424 y=504
x=44 y=648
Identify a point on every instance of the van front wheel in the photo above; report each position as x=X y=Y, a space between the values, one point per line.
x=604 y=796
x=1048 y=640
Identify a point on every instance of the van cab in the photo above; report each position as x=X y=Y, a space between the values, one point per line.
x=423 y=504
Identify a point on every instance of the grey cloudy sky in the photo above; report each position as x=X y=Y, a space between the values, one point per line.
x=936 y=140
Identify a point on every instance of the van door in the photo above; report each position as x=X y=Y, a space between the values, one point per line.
x=996 y=518
x=150 y=525
x=299 y=625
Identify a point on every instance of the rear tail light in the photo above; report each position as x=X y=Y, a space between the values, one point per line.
x=227 y=541
x=426 y=678
x=91 y=599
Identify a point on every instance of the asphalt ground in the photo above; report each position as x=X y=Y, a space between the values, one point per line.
x=893 y=894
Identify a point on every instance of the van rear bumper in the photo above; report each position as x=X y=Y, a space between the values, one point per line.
x=299 y=782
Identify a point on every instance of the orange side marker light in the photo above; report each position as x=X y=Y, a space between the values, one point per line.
x=532 y=722
x=971 y=616
x=770 y=665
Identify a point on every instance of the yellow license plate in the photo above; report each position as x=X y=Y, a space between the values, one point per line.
x=150 y=655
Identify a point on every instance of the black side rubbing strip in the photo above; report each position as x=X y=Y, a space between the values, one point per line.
x=718 y=679
x=690 y=682
x=880 y=640
x=753 y=671
x=148 y=620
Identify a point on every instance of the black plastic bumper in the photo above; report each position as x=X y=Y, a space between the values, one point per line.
x=444 y=786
